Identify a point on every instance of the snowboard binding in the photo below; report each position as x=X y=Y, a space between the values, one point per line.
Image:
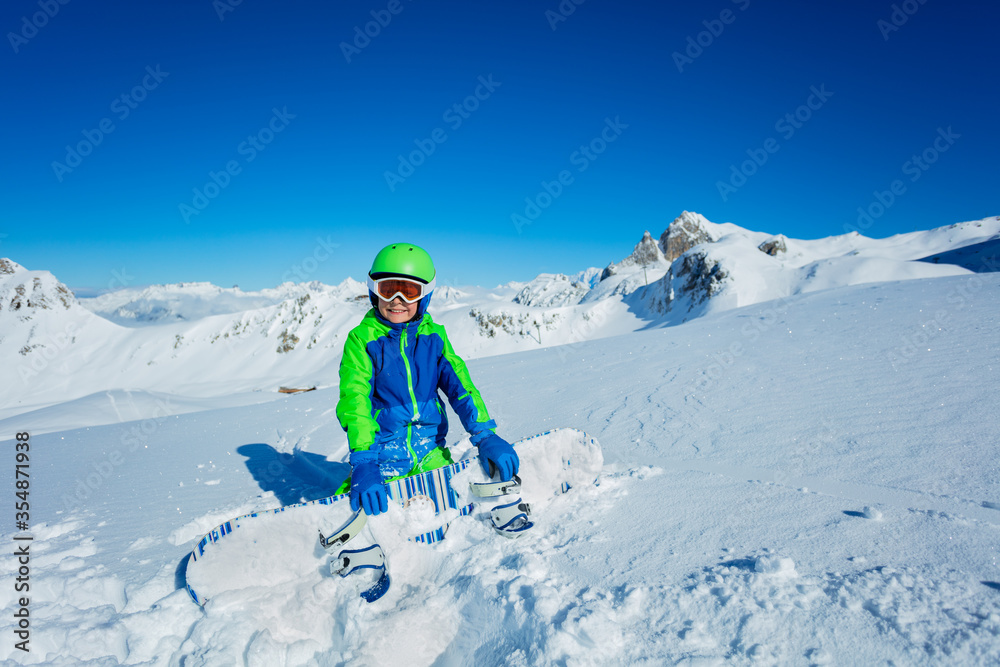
x=349 y=561
x=508 y=519
x=511 y=520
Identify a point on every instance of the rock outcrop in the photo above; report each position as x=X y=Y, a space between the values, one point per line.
x=774 y=245
x=691 y=281
x=685 y=232
x=24 y=291
x=645 y=253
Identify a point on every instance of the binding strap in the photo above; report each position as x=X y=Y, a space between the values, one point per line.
x=350 y=561
x=345 y=533
x=511 y=520
x=493 y=489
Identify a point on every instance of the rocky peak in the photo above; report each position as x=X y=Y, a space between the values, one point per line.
x=685 y=232
x=8 y=268
x=774 y=245
x=27 y=291
x=645 y=253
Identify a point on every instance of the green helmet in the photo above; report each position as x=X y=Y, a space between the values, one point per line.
x=403 y=259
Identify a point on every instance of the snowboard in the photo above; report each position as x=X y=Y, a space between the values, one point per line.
x=240 y=553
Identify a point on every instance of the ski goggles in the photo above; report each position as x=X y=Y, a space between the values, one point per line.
x=407 y=289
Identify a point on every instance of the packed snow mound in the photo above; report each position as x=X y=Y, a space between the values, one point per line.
x=277 y=549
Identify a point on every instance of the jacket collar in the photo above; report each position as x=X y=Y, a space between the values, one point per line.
x=397 y=328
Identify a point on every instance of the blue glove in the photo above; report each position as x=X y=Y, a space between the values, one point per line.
x=367 y=487
x=495 y=452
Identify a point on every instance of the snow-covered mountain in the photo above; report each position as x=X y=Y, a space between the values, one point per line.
x=41 y=323
x=698 y=267
x=121 y=354
x=811 y=482
x=728 y=267
x=192 y=301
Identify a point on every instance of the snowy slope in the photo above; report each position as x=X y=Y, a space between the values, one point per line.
x=811 y=480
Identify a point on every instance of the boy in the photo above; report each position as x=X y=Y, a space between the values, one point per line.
x=394 y=363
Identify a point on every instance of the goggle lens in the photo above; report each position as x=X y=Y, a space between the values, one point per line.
x=409 y=290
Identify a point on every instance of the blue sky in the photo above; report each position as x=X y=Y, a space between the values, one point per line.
x=248 y=145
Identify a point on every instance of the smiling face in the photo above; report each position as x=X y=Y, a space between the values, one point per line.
x=397 y=311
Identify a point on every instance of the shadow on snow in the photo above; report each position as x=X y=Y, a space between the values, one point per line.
x=293 y=477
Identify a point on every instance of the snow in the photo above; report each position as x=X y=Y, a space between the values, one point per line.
x=807 y=480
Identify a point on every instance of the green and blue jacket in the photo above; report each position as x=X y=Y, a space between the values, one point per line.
x=391 y=380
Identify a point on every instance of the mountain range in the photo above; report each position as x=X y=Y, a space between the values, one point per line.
x=166 y=349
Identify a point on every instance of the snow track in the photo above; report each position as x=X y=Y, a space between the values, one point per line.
x=944 y=507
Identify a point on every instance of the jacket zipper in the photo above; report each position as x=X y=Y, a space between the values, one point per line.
x=413 y=397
